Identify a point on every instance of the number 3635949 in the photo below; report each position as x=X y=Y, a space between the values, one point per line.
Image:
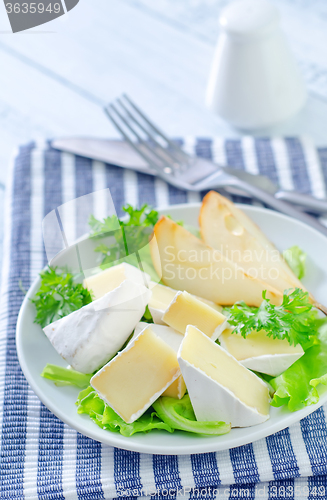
x=33 y=8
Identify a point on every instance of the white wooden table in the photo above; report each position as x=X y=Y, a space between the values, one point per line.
x=55 y=78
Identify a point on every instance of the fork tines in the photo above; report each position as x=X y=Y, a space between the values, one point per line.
x=144 y=136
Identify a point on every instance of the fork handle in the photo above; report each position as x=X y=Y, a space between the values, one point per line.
x=305 y=201
x=280 y=205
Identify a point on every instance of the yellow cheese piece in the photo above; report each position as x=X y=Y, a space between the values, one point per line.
x=177 y=389
x=163 y=295
x=185 y=309
x=173 y=338
x=216 y=363
x=137 y=376
x=255 y=344
x=111 y=278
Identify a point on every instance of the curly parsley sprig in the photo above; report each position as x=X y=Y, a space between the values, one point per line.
x=144 y=216
x=129 y=235
x=58 y=296
x=294 y=320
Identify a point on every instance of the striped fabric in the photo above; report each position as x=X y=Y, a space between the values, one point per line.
x=43 y=458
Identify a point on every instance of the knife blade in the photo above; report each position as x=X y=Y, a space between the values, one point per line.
x=115 y=152
x=120 y=153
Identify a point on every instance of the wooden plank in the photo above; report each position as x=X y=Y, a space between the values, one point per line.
x=304 y=24
x=130 y=51
x=163 y=67
x=151 y=50
x=33 y=105
x=46 y=86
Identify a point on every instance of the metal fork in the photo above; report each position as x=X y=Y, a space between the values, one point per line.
x=180 y=169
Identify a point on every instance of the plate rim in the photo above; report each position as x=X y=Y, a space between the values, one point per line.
x=128 y=443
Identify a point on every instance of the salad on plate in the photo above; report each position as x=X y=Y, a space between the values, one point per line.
x=177 y=328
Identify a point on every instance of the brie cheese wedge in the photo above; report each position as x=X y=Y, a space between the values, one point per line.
x=161 y=298
x=137 y=376
x=261 y=353
x=185 y=309
x=174 y=339
x=89 y=337
x=220 y=388
x=109 y=279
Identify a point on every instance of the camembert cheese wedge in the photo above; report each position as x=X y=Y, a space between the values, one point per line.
x=220 y=388
x=161 y=298
x=137 y=376
x=109 y=279
x=174 y=339
x=261 y=353
x=89 y=337
x=185 y=309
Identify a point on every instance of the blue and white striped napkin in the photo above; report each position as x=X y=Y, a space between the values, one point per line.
x=43 y=458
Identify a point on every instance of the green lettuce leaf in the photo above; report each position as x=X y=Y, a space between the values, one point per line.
x=169 y=414
x=147 y=316
x=90 y=403
x=66 y=376
x=295 y=258
x=179 y=414
x=296 y=387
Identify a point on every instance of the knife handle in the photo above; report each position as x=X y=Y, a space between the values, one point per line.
x=305 y=201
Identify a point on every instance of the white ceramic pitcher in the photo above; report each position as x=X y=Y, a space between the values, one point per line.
x=254 y=80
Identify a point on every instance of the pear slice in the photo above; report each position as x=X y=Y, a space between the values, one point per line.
x=227 y=229
x=184 y=262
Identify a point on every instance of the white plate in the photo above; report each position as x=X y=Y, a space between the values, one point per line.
x=34 y=351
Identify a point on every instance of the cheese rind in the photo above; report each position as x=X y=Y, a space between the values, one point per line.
x=137 y=376
x=185 y=309
x=273 y=364
x=261 y=353
x=220 y=388
x=89 y=337
x=109 y=279
x=174 y=339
